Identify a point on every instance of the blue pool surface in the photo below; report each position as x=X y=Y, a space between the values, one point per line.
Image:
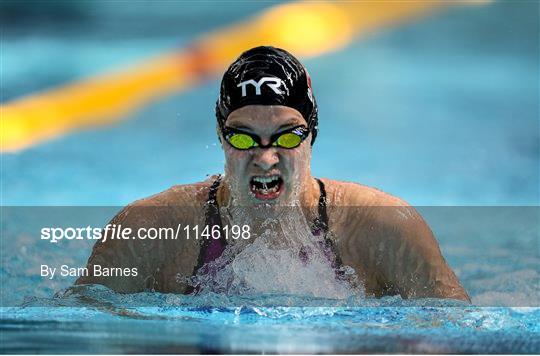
x=442 y=112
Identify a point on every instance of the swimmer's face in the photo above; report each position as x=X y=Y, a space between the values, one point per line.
x=266 y=175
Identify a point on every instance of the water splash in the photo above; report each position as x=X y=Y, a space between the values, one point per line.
x=284 y=256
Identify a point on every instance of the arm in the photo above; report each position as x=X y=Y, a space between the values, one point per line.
x=414 y=266
x=389 y=244
x=159 y=262
x=130 y=254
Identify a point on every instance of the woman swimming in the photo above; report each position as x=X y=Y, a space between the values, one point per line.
x=267 y=122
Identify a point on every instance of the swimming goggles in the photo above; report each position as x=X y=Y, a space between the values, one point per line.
x=243 y=140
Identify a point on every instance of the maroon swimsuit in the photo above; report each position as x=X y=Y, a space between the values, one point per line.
x=213 y=248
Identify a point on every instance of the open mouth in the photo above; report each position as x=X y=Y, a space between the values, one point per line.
x=266 y=187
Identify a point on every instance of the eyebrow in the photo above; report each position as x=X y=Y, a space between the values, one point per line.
x=287 y=125
x=291 y=123
x=240 y=127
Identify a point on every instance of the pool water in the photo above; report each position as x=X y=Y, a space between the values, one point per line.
x=169 y=329
x=50 y=316
x=442 y=112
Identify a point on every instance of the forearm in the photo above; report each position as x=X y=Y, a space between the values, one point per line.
x=120 y=276
x=416 y=266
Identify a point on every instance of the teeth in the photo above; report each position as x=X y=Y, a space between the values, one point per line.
x=267 y=191
x=265 y=180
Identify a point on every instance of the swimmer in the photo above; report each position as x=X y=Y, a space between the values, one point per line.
x=267 y=123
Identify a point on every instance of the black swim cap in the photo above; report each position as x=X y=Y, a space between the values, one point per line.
x=267 y=76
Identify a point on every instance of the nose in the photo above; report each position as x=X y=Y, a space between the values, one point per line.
x=265 y=158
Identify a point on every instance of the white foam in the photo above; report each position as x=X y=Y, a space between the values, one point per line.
x=271 y=264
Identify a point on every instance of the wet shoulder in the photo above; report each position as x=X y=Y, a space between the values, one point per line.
x=341 y=193
x=356 y=209
x=183 y=202
x=194 y=194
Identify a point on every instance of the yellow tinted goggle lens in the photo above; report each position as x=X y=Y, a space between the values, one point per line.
x=289 y=140
x=241 y=141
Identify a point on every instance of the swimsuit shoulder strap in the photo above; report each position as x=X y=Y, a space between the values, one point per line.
x=321 y=222
x=211 y=248
x=211 y=205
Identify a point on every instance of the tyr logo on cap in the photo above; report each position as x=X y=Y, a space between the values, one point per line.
x=275 y=86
